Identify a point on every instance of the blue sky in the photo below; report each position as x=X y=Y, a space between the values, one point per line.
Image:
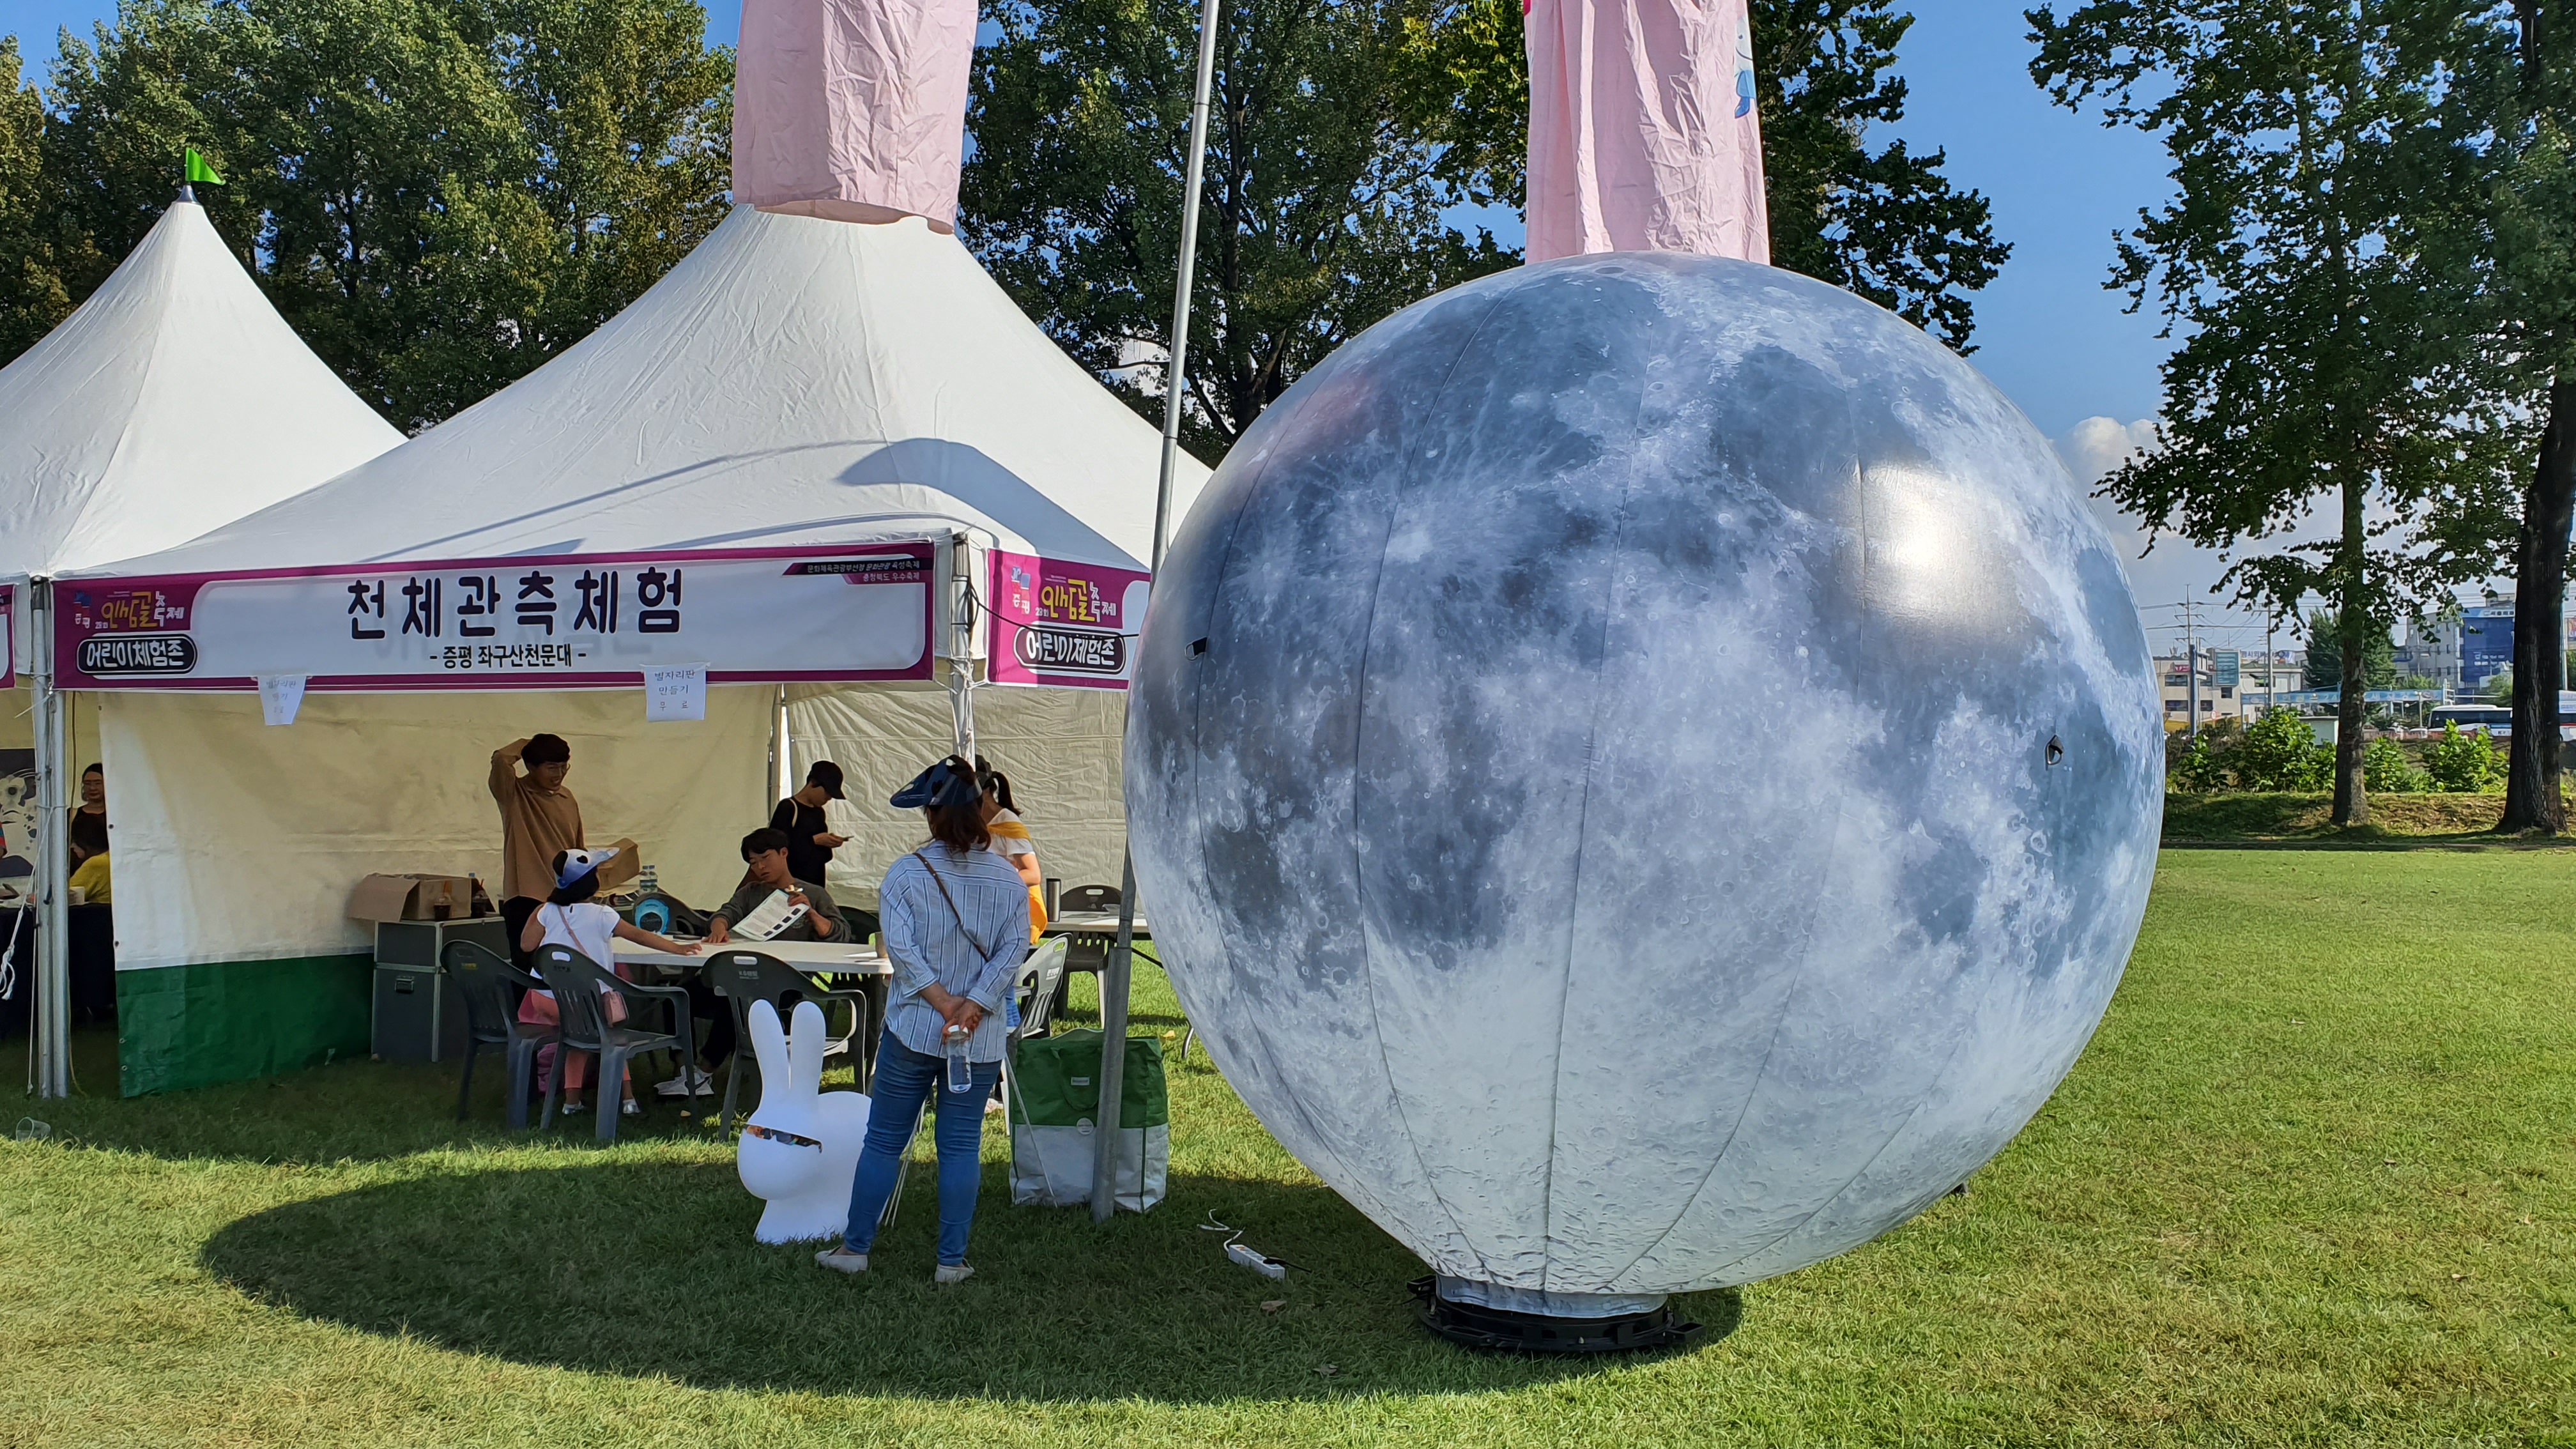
x=2047 y=333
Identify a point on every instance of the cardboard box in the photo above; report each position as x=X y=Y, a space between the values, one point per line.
x=625 y=866
x=417 y=898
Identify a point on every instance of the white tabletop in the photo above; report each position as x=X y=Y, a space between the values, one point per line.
x=811 y=955
x=1092 y=923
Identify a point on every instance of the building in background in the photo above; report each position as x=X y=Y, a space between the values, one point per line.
x=2432 y=651
x=2217 y=701
x=2486 y=641
x=2284 y=672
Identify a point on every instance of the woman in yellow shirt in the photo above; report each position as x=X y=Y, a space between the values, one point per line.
x=1011 y=840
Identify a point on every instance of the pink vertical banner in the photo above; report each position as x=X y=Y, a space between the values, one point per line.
x=1063 y=624
x=852 y=109
x=1642 y=131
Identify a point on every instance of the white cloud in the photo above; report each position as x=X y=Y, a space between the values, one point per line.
x=2096 y=446
x=2174 y=571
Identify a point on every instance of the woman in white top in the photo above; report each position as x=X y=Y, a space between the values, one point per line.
x=570 y=919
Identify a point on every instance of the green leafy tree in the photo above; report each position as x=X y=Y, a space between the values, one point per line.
x=1876 y=219
x=2499 y=686
x=439 y=196
x=2510 y=114
x=1324 y=208
x=32 y=295
x=2323 y=360
x=2324 y=667
x=2281 y=752
x=1345 y=134
x=2386 y=769
x=2464 y=764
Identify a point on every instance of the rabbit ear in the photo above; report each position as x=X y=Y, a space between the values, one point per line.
x=805 y=1049
x=769 y=1046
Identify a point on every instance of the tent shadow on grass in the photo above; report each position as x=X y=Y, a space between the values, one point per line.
x=649 y=1270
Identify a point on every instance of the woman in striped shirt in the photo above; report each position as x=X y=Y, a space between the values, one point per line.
x=955 y=918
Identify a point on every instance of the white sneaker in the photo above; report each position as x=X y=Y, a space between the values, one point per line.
x=952 y=1273
x=841 y=1260
x=691 y=1082
x=572 y=1109
x=630 y=1108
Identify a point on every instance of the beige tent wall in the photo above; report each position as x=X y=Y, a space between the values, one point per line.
x=1059 y=746
x=238 y=841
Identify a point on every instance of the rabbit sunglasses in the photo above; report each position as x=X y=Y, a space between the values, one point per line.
x=772 y=1134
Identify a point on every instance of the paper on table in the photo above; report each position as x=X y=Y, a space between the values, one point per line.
x=675 y=692
x=280 y=696
x=768 y=918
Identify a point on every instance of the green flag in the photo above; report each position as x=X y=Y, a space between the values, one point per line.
x=200 y=173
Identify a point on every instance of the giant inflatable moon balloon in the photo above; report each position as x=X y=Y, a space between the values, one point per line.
x=1645 y=774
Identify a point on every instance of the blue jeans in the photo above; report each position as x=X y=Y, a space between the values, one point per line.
x=904 y=1080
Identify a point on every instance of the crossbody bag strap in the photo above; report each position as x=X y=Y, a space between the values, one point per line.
x=952 y=905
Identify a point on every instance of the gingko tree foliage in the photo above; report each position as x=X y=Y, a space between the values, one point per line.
x=2325 y=360
x=1350 y=142
x=438 y=194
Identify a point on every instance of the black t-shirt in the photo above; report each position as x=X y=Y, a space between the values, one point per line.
x=805 y=859
x=89 y=834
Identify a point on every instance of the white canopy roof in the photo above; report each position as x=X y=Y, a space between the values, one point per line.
x=795 y=380
x=174 y=400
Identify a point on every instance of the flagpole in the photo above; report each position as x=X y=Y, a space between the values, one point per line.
x=1117 y=972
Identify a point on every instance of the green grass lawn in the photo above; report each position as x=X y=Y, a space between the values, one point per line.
x=2314 y=1184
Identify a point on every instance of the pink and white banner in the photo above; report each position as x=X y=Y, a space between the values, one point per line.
x=1642 y=129
x=753 y=616
x=1068 y=625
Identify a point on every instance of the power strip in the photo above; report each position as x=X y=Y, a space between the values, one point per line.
x=1267 y=1267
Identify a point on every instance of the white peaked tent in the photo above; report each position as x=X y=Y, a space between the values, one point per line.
x=173 y=400
x=795 y=386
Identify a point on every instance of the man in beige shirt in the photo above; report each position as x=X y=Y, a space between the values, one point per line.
x=539 y=817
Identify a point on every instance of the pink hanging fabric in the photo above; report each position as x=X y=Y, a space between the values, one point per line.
x=852 y=109
x=1642 y=132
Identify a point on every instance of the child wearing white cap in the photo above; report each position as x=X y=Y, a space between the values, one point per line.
x=569 y=918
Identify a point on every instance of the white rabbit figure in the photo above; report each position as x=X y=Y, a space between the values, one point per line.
x=807 y=1187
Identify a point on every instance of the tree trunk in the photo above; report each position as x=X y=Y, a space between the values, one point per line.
x=2531 y=797
x=2351 y=806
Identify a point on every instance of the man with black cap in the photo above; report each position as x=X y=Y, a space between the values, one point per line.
x=810 y=841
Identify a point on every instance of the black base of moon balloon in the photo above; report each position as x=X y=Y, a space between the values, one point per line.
x=1500 y=1330
x=1647 y=772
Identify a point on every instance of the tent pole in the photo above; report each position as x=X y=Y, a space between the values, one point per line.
x=52 y=1021
x=1118 y=971
x=961 y=649
x=782 y=769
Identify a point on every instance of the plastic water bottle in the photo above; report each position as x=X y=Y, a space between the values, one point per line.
x=961 y=1073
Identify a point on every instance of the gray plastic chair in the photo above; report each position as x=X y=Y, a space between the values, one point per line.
x=490 y=987
x=1087 y=898
x=1036 y=985
x=578 y=983
x=743 y=975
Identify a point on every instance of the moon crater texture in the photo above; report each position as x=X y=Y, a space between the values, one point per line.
x=1644 y=772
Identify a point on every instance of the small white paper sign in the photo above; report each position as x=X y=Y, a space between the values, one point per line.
x=280 y=696
x=675 y=692
x=767 y=919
